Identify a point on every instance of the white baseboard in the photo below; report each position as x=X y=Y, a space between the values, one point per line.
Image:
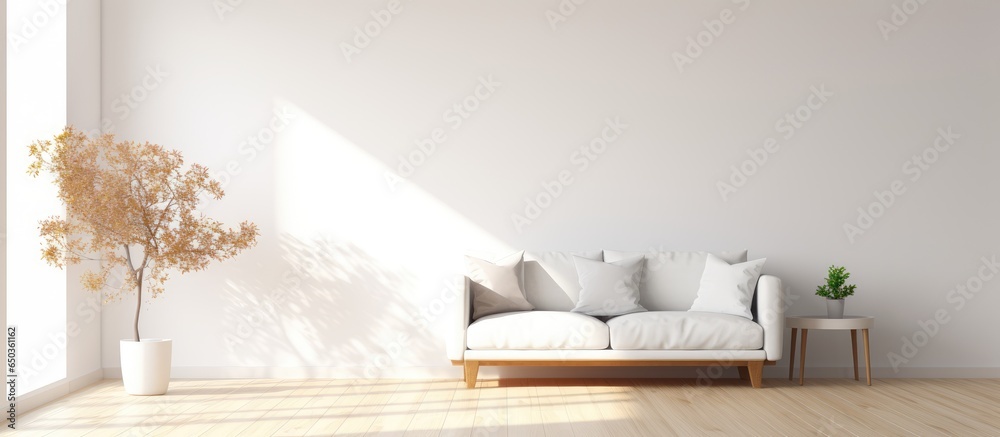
x=454 y=372
x=86 y=380
x=56 y=390
x=237 y=372
x=888 y=372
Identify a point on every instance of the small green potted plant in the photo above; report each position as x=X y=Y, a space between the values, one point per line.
x=835 y=291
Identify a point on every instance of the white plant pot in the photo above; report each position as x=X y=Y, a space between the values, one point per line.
x=835 y=308
x=146 y=366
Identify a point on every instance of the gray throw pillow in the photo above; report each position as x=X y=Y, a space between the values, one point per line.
x=609 y=289
x=497 y=287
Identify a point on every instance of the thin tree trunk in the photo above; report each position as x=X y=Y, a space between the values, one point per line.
x=137 y=276
x=138 y=306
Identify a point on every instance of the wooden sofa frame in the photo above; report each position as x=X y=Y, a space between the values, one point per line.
x=749 y=370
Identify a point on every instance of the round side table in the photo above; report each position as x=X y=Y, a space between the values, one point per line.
x=852 y=323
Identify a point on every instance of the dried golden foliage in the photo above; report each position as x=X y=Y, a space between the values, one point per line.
x=131 y=205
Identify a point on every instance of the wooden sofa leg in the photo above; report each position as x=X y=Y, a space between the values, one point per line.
x=471 y=373
x=756 y=371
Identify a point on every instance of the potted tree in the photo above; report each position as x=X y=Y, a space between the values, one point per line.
x=132 y=206
x=835 y=291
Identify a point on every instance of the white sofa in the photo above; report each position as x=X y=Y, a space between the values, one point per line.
x=666 y=335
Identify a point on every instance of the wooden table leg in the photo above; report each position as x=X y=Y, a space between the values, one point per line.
x=802 y=359
x=854 y=350
x=868 y=359
x=791 y=357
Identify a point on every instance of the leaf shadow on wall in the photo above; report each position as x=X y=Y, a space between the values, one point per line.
x=310 y=315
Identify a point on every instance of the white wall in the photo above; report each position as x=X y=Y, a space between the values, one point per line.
x=347 y=261
x=83 y=110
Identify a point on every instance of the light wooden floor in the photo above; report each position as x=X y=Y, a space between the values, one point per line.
x=527 y=408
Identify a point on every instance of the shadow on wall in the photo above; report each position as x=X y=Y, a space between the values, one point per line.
x=332 y=305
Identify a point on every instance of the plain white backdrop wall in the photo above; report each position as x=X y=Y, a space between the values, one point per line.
x=83 y=107
x=334 y=126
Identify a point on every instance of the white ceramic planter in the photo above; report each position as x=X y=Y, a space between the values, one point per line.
x=835 y=308
x=146 y=366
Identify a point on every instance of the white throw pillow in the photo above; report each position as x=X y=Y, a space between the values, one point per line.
x=609 y=289
x=497 y=288
x=670 y=279
x=728 y=289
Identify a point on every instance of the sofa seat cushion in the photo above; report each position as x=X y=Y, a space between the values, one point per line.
x=682 y=330
x=537 y=330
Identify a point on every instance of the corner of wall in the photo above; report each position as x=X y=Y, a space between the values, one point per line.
x=83 y=110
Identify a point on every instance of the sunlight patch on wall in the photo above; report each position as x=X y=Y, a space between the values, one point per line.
x=358 y=274
x=328 y=185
